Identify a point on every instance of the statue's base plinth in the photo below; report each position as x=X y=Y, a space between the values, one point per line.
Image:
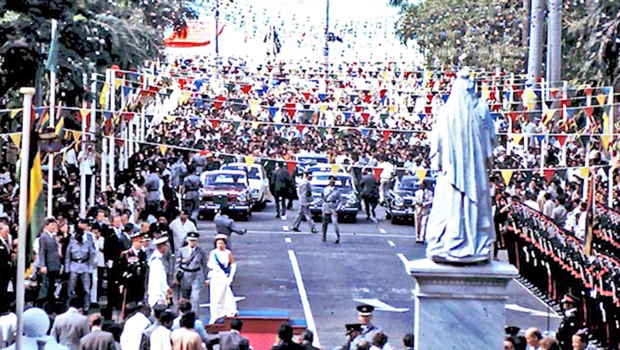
x=460 y=307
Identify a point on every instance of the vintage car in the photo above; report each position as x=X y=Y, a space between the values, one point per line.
x=228 y=190
x=349 y=204
x=400 y=200
x=257 y=178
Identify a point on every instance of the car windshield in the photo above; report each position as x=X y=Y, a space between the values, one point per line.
x=315 y=169
x=312 y=160
x=410 y=184
x=235 y=180
x=252 y=173
x=341 y=181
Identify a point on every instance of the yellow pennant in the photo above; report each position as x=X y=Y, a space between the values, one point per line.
x=104 y=92
x=548 y=116
x=529 y=98
x=605 y=122
x=249 y=161
x=337 y=95
x=601 y=99
x=14 y=112
x=170 y=119
x=605 y=139
x=254 y=107
x=16 y=138
x=255 y=125
x=76 y=135
x=391 y=109
x=163 y=149
x=516 y=138
x=335 y=168
x=584 y=171
x=507 y=175
x=421 y=174
x=118 y=82
x=486 y=94
x=323 y=107
x=84 y=112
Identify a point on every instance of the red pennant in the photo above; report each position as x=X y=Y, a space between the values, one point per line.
x=365 y=116
x=561 y=139
x=549 y=174
x=290 y=166
x=120 y=142
x=290 y=109
x=246 y=88
x=367 y=98
x=428 y=109
x=358 y=108
x=382 y=93
x=519 y=94
x=215 y=123
x=565 y=102
x=429 y=98
x=127 y=116
x=386 y=135
x=554 y=92
x=306 y=95
x=588 y=91
x=219 y=101
x=301 y=129
x=377 y=172
x=497 y=107
x=513 y=116
x=589 y=110
x=407 y=74
x=182 y=83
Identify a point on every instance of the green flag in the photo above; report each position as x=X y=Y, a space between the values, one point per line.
x=52 y=56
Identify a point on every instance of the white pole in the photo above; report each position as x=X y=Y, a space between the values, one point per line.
x=104 y=143
x=50 y=157
x=83 y=159
x=112 y=139
x=610 y=131
x=23 y=213
x=91 y=137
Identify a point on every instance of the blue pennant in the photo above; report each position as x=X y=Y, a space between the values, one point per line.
x=39 y=110
x=540 y=138
x=606 y=90
x=495 y=116
x=193 y=120
x=422 y=116
x=272 y=110
x=365 y=133
x=445 y=97
x=383 y=99
x=126 y=90
x=198 y=83
x=322 y=97
x=507 y=95
x=199 y=102
x=347 y=115
x=279 y=127
x=571 y=112
x=107 y=115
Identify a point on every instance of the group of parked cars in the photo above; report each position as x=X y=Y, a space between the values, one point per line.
x=240 y=189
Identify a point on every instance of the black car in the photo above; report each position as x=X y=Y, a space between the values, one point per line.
x=400 y=200
x=350 y=203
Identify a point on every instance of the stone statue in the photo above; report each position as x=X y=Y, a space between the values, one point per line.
x=460 y=227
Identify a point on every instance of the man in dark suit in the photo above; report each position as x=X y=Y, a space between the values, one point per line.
x=7 y=268
x=133 y=269
x=307 y=338
x=97 y=339
x=285 y=339
x=370 y=193
x=125 y=239
x=228 y=340
x=281 y=186
x=48 y=260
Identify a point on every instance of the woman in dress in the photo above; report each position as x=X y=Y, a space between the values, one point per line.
x=223 y=269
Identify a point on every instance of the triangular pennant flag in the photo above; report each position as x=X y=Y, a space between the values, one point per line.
x=322 y=97
x=421 y=174
x=589 y=91
x=507 y=175
x=300 y=128
x=539 y=138
x=365 y=132
x=601 y=99
x=84 y=112
x=215 y=123
x=549 y=174
x=561 y=139
x=76 y=135
x=516 y=138
x=589 y=110
x=14 y=112
x=377 y=172
x=335 y=168
x=16 y=138
x=584 y=171
x=219 y=101
x=249 y=161
x=554 y=92
x=290 y=109
x=104 y=92
x=272 y=111
x=163 y=149
x=306 y=95
x=255 y=125
x=365 y=116
x=291 y=166
x=386 y=135
x=118 y=82
x=347 y=116
x=246 y=88
x=605 y=139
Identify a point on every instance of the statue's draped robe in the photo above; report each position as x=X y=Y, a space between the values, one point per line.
x=460 y=226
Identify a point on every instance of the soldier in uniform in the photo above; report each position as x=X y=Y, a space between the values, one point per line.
x=331 y=203
x=571 y=322
x=353 y=331
x=192 y=270
x=191 y=199
x=305 y=200
x=80 y=261
x=153 y=199
x=134 y=270
x=158 y=278
x=226 y=226
x=368 y=331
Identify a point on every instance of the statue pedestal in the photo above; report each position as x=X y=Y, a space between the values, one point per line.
x=460 y=307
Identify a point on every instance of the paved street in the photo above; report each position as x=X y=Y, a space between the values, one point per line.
x=367 y=264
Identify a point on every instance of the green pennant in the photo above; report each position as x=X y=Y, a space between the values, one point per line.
x=585 y=140
x=308 y=113
x=408 y=135
x=230 y=87
x=322 y=131
x=383 y=117
x=235 y=125
x=237 y=104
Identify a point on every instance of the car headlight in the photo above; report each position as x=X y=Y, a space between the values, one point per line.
x=242 y=197
x=399 y=201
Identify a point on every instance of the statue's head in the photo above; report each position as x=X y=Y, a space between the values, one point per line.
x=36 y=323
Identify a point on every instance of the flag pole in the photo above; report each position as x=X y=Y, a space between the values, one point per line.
x=52 y=102
x=83 y=159
x=28 y=93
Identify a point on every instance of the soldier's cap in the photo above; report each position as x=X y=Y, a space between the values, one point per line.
x=161 y=240
x=147 y=236
x=570 y=299
x=353 y=327
x=192 y=236
x=136 y=235
x=220 y=236
x=365 y=310
x=128 y=228
x=512 y=330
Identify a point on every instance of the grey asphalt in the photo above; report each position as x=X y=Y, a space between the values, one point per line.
x=365 y=265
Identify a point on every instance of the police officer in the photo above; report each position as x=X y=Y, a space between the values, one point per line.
x=153 y=199
x=226 y=226
x=80 y=260
x=158 y=289
x=364 y=316
x=571 y=322
x=331 y=204
x=192 y=270
x=305 y=200
x=191 y=199
x=134 y=270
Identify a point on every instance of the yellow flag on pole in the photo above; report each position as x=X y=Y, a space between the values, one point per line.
x=14 y=112
x=421 y=174
x=507 y=175
x=163 y=149
x=104 y=92
x=249 y=161
x=584 y=171
x=335 y=168
x=16 y=138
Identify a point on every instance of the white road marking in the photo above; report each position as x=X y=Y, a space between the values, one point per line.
x=285 y=228
x=381 y=306
x=288 y=240
x=304 y=298
x=551 y=311
x=283 y=217
x=382 y=231
x=532 y=312
x=405 y=261
x=237 y=299
x=341 y=233
x=391 y=244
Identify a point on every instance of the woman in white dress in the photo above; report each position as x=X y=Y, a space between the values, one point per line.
x=223 y=269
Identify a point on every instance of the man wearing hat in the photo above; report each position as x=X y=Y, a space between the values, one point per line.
x=353 y=331
x=80 y=260
x=158 y=289
x=192 y=270
x=133 y=270
x=571 y=321
x=331 y=202
x=304 y=193
x=364 y=316
x=191 y=197
x=226 y=226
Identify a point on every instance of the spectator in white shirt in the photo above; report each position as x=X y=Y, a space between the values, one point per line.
x=134 y=326
x=549 y=205
x=160 y=338
x=180 y=227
